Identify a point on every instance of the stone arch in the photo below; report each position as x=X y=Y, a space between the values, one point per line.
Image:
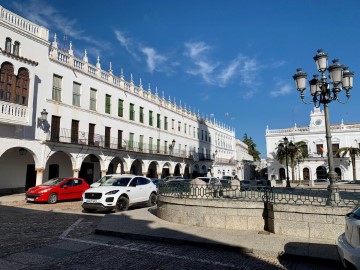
x=203 y=170
x=187 y=172
x=338 y=172
x=137 y=167
x=306 y=174
x=59 y=164
x=92 y=168
x=18 y=164
x=117 y=165
x=166 y=169
x=196 y=171
x=321 y=172
x=177 y=169
x=153 y=168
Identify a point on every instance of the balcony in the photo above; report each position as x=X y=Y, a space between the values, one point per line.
x=16 y=114
x=82 y=138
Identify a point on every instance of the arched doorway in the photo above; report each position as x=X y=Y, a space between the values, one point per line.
x=177 y=170
x=152 y=170
x=58 y=165
x=282 y=175
x=90 y=169
x=321 y=172
x=116 y=166
x=306 y=174
x=195 y=171
x=203 y=170
x=165 y=170
x=338 y=172
x=136 y=167
x=187 y=172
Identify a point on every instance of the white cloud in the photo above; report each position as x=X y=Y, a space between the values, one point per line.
x=127 y=43
x=282 y=89
x=44 y=14
x=153 y=59
x=195 y=49
x=229 y=72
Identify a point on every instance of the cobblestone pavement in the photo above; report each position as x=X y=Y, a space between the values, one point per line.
x=43 y=236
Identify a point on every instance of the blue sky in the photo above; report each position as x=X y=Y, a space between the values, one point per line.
x=232 y=60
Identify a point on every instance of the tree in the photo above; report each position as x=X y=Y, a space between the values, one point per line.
x=296 y=153
x=251 y=147
x=353 y=152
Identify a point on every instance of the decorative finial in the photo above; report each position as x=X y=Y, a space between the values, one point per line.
x=149 y=88
x=98 y=63
x=140 y=85
x=163 y=97
x=71 y=52
x=156 y=91
x=110 y=69
x=131 y=78
x=85 y=56
x=180 y=103
x=55 y=38
x=169 y=99
x=121 y=73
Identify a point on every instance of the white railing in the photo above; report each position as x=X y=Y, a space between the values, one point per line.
x=25 y=25
x=13 y=113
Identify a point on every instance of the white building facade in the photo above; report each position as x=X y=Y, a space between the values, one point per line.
x=316 y=165
x=61 y=116
x=244 y=162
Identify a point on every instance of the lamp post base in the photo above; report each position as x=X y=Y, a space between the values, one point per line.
x=333 y=195
x=288 y=183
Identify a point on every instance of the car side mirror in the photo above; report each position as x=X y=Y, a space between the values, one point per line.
x=64 y=186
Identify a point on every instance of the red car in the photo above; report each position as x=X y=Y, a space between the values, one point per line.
x=57 y=189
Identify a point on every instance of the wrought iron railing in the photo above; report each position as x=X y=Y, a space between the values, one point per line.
x=97 y=140
x=275 y=195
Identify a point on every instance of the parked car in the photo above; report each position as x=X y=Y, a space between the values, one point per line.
x=57 y=189
x=321 y=182
x=120 y=192
x=103 y=179
x=157 y=182
x=348 y=243
x=210 y=180
x=342 y=182
x=172 y=177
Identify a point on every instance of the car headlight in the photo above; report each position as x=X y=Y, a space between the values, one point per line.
x=45 y=190
x=112 y=192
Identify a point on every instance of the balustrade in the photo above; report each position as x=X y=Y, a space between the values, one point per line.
x=15 y=113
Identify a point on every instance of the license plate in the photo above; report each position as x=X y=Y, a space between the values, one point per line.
x=30 y=199
x=91 y=201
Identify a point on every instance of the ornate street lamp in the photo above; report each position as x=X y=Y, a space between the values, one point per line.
x=341 y=79
x=287 y=147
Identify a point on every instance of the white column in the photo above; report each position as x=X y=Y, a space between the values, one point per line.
x=39 y=176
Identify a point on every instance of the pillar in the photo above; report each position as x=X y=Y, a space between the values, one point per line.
x=76 y=173
x=159 y=175
x=118 y=168
x=103 y=173
x=39 y=176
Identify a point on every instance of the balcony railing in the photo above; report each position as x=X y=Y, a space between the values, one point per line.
x=97 y=140
x=14 y=113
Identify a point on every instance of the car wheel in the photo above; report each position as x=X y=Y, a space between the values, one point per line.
x=152 y=199
x=89 y=210
x=53 y=198
x=122 y=204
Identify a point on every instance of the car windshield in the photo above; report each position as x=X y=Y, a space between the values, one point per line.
x=53 y=182
x=206 y=180
x=122 y=182
x=356 y=211
x=103 y=179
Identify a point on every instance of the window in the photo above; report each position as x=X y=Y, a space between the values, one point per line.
x=141 y=115
x=107 y=136
x=120 y=135
x=150 y=144
x=202 y=135
x=150 y=118
x=91 y=134
x=120 y=108
x=158 y=121
x=141 y=143
x=76 y=94
x=320 y=149
x=185 y=127
x=172 y=123
x=165 y=123
x=107 y=104
x=74 y=131
x=16 y=48
x=8 y=45
x=93 y=93
x=205 y=136
x=131 y=141
x=158 y=146
x=132 y=112
x=198 y=134
x=22 y=86
x=55 y=128
x=56 y=93
x=194 y=132
x=165 y=147
x=179 y=126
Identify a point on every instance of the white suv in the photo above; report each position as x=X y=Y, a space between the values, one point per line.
x=120 y=192
x=348 y=244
